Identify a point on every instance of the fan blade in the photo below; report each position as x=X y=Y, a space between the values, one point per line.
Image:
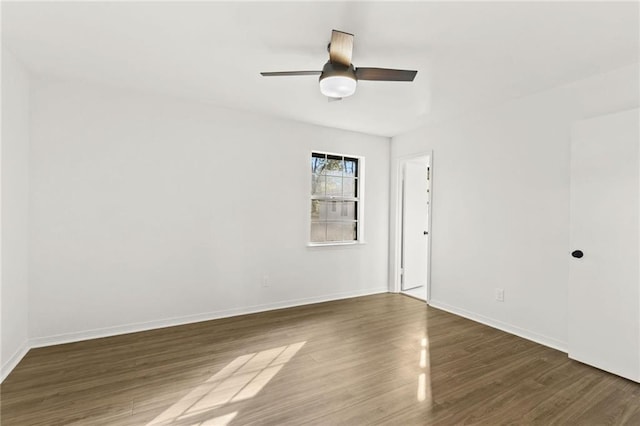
x=341 y=47
x=289 y=73
x=385 y=74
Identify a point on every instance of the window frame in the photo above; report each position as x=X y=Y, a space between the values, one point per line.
x=359 y=199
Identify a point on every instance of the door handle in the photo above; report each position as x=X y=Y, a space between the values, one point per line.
x=425 y=233
x=577 y=254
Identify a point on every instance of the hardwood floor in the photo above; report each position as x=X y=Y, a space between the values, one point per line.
x=383 y=359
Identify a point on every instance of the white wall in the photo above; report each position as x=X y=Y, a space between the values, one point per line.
x=149 y=211
x=501 y=204
x=14 y=215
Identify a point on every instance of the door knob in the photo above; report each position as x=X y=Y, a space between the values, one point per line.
x=577 y=254
x=425 y=233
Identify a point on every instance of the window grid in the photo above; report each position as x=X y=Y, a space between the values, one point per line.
x=334 y=198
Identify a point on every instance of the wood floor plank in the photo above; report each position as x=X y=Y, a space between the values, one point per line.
x=383 y=359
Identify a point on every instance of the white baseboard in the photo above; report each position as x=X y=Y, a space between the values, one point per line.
x=512 y=329
x=38 y=342
x=10 y=364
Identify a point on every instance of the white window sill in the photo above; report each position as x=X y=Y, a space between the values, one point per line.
x=350 y=243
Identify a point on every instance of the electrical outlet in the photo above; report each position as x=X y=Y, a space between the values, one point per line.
x=500 y=294
x=265 y=280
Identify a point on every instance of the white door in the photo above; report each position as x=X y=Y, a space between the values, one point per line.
x=415 y=207
x=604 y=295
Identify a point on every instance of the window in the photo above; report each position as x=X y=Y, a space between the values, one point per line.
x=334 y=198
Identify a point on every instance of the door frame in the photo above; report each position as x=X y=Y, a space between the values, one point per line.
x=397 y=205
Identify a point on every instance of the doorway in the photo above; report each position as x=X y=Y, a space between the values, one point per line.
x=414 y=226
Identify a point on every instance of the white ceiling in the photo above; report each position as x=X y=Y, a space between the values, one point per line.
x=468 y=55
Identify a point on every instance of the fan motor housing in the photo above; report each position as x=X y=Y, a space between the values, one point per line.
x=331 y=69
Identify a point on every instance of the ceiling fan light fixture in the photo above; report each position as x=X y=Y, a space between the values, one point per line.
x=338 y=80
x=338 y=86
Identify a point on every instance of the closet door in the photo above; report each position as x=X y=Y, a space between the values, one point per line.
x=604 y=276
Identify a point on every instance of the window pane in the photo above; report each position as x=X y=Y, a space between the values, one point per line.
x=349 y=231
x=349 y=210
x=318 y=163
x=335 y=165
x=350 y=167
x=323 y=206
x=334 y=185
x=318 y=184
x=334 y=231
x=338 y=210
x=333 y=210
x=315 y=210
x=318 y=232
x=340 y=231
x=349 y=185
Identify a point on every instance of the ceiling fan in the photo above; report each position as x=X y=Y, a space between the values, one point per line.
x=339 y=78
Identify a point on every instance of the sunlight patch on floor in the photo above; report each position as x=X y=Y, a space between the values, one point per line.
x=218 y=421
x=239 y=380
x=423 y=393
